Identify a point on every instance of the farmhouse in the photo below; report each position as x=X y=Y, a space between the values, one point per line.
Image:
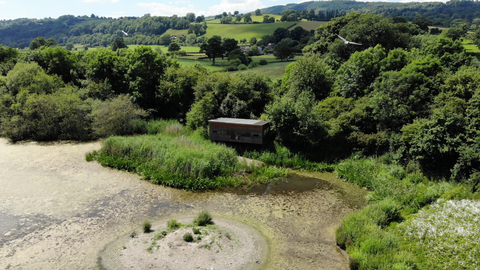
x=239 y=130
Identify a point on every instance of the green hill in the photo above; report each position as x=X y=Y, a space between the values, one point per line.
x=441 y=14
x=247 y=31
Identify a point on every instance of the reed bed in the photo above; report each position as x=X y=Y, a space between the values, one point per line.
x=184 y=161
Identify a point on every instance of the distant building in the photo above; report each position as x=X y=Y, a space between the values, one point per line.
x=239 y=130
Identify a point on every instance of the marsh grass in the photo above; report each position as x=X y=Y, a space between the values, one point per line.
x=188 y=237
x=147 y=226
x=184 y=161
x=281 y=156
x=370 y=235
x=444 y=235
x=173 y=224
x=174 y=156
x=203 y=219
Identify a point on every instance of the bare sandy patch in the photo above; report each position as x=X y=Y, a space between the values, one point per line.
x=226 y=244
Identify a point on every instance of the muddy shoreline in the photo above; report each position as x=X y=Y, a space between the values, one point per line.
x=58 y=211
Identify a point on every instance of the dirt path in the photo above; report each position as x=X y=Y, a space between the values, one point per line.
x=58 y=211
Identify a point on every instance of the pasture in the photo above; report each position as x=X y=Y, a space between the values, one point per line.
x=247 y=31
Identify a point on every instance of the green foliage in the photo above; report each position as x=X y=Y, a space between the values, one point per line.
x=173 y=47
x=201 y=112
x=118 y=43
x=285 y=49
x=294 y=121
x=203 y=219
x=145 y=68
x=179 y=161
x=367 y=29
x=176 y=93
x=443 y=235
x=34 y=105
x=146 y=226
x=116 y=117
x=188 y=237
x=355 y=75
x=173 y=224
x=369 y=235
x=281 y=156
x=267 y=174
x=435 y=142
x=243 y=95
x=213 y=48
x=309 y=73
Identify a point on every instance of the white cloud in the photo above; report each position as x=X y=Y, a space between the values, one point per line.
x=181 y=7
x=2 y=2
x=158 y=9
x=179 y=2
x=233 y=5
x=118 y=14
x=100 y=1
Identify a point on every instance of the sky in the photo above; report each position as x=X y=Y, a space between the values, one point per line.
x=39 y=9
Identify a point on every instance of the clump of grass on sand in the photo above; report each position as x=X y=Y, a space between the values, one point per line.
x=203 y=219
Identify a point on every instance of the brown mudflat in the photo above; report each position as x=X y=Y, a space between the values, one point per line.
x=58 y=211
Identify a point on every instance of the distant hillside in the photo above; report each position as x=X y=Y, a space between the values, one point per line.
x=148 y=30
x=441 y=14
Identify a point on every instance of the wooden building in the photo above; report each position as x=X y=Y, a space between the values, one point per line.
x=239 y=130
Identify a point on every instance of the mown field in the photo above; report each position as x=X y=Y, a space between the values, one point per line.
x=164 y=49
x=470 y=46
x=254 y=18
x=247 y=31
x=274 y=70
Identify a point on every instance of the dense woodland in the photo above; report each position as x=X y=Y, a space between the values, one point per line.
x=393 y=113
x=440 y=14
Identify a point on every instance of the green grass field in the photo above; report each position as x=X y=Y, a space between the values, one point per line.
x=164 y=49
x=174 y=32
x=208 y=64
x=310 y=25
x=247 y=31
x=470 y=47
x=274 y=70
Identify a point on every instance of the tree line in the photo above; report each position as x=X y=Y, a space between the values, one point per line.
x=384 y=96
x=440 y=14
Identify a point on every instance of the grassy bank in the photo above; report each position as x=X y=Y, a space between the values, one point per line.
x=382 y=235
x=247 y=31
x=174 y=157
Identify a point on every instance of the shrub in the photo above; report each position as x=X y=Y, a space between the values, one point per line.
x=116 y=117
x=189 y=162
x=253 y=64
x=263 y=62
x=173 y=224
x=159 y=126
x=174 y=129
x=242 y=67
x=188 y=237
x=203 y=219
x=235 y=62
x=147 y=226
x=196 y=231
x=446 y=233
x=232 y=68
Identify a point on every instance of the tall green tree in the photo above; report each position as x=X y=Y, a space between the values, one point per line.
x=285 y=49
x=145 y=69
x=118 y=43
x=213 y=48
x=310 y=73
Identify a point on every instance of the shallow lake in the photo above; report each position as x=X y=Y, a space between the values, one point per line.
x=58 y=211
